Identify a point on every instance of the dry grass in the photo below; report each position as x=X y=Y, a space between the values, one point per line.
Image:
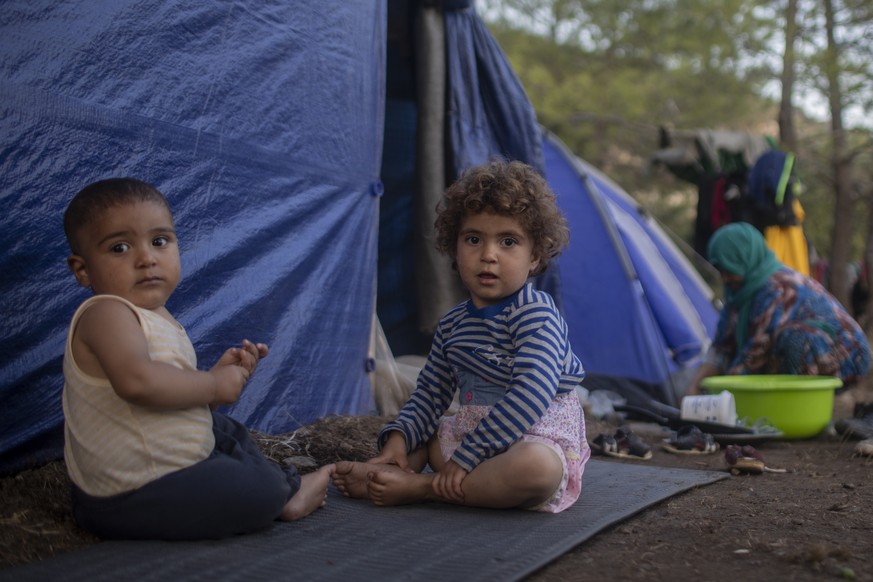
x=327 y=440
x=35 y=517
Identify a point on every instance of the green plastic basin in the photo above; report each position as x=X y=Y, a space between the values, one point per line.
x=799 y=406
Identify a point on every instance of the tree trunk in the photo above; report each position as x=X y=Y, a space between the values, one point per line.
x=864 y=278
x=841 y=237
x=787 y=133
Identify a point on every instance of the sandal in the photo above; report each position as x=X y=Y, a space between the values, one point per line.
x=744 y=459
x=864 y=448
x=624 y=444
x=690 y=440
x=604 y=444
x=860 y=426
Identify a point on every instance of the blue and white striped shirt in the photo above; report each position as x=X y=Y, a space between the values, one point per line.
x=520 y=343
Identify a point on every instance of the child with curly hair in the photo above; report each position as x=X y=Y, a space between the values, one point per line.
x=518 y=438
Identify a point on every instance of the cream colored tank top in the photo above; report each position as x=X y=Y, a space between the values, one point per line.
x=112 y=446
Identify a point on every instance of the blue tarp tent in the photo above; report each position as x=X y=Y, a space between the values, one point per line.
x=262 y=124
x=302 y=147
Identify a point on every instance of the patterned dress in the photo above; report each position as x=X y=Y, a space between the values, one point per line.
x=516 y=377
x=795 y=327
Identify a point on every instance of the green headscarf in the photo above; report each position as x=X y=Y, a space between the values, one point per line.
x=740 y=249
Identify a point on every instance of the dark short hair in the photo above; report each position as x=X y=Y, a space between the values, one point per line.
x=510 y=189
x=99 y=196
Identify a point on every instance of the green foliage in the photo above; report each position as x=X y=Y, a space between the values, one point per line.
x=607 y=103
x=604 y=75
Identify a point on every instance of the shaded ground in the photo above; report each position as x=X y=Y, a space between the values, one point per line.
x=814 y=522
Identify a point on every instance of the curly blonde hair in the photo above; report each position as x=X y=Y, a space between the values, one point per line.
x=510 y=189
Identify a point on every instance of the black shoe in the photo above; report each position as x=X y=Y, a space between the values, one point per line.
x=861 y=425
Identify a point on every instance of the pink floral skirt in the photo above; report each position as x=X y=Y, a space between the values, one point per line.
x=562 y=429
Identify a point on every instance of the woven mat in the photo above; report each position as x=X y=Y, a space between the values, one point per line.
x=352 y=539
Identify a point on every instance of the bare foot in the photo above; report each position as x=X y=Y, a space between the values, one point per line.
x=311 y=495
x=399 y=488
x=351 y=477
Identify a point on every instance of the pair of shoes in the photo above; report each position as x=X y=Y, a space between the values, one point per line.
x=744 y=459
x=864 y=448
x=860 y=425
x=624 y=444
x=690 y=440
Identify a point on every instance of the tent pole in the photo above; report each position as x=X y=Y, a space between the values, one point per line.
x=437 y=286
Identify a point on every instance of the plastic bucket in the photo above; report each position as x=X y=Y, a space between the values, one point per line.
x=799 y=406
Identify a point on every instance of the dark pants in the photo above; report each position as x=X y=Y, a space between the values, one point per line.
x=233 y=491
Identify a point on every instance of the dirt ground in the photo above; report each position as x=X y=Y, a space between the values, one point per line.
x=813 y=522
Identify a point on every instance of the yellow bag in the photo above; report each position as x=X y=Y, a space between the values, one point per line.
x=789 y=244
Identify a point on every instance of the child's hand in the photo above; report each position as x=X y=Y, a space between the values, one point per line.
x=447 y=483
x=233 y=370
x=250 y=354
x=393 y=452
x=246 y=356
x=229 y=382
